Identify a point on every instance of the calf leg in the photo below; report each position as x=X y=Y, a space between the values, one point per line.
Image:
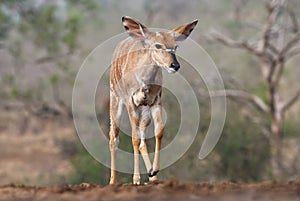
x=134 y=121
x=156 y=112
x=116 y=108
x=144 y=123
x=113 y=141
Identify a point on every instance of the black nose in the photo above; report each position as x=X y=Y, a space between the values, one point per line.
x=175 y=66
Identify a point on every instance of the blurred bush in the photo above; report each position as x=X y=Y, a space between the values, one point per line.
x=243 y=150
x=87 y=169
x=84 y=167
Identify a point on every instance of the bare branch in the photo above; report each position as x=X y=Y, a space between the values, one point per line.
x=271 y=9
x=279 y=73
x=272 y=69
x=242 y=94
x=294 y=20
x=49 y=59
x=273 y=49
x=253 y=25
x=290 y=44
x=43 y=110
x=293 y=52
x=288 y=104
x=44 y=60
x=238 y=6
x=216 y=36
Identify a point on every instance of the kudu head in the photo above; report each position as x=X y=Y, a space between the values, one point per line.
x=161 y=45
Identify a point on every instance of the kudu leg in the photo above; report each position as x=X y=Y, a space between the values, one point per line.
x=156 y=112
x=136 y=170
x=144 y=123
x=115 y=115
x=134 y=121
x=113 y=133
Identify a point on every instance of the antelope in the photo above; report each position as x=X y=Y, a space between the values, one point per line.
x=136 y=83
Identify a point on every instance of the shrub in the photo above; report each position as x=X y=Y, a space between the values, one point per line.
x=243 y=150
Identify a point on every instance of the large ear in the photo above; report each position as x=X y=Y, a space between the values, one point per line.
x=134 y=28
x=182 y=32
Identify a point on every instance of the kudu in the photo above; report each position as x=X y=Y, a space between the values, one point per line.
x=136 y=83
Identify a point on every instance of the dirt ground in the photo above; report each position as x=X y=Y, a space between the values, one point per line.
x=162 y=190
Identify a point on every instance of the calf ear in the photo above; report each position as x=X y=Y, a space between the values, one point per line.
x=182 y=32
x=134 y=28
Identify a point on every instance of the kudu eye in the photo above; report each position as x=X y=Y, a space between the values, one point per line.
x=158 y=46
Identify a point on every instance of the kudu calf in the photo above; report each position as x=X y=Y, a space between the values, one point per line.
x=136 y=83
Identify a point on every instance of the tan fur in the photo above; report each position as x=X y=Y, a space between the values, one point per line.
x=135 y=83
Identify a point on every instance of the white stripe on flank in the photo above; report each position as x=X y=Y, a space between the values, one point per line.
x=125 y=65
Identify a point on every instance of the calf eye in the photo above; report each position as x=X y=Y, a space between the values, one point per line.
x=158 y=46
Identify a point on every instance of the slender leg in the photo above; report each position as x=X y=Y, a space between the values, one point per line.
x=134 y=120
x=136 y=172
x=144 y=123
x=113 y=133
x=115 y=115
x=156 y=113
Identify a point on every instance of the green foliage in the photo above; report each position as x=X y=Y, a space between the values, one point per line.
x=173 y=113
x=15 y=91
x=8 y=79
x=243 y=151
x=15 y=49
x=44 y=25
x=47 y=29
x=5 y=23
x=261 y=92
x=54 y=79
x=87 y=4
x=290 y=129
x=28 y=93
x=232 y=26
x=84 y=167
x=23 y=28
x=69 y=148
x=72 y=26
x=63 y=66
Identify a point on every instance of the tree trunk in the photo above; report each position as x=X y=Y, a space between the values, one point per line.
x=276 y=145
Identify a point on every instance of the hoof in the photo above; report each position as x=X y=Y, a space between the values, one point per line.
x=136 y=180
x=111 y=182
x=153 y=179
x=152 y=173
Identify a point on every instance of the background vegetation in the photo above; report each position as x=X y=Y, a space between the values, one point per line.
x=43 y=43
